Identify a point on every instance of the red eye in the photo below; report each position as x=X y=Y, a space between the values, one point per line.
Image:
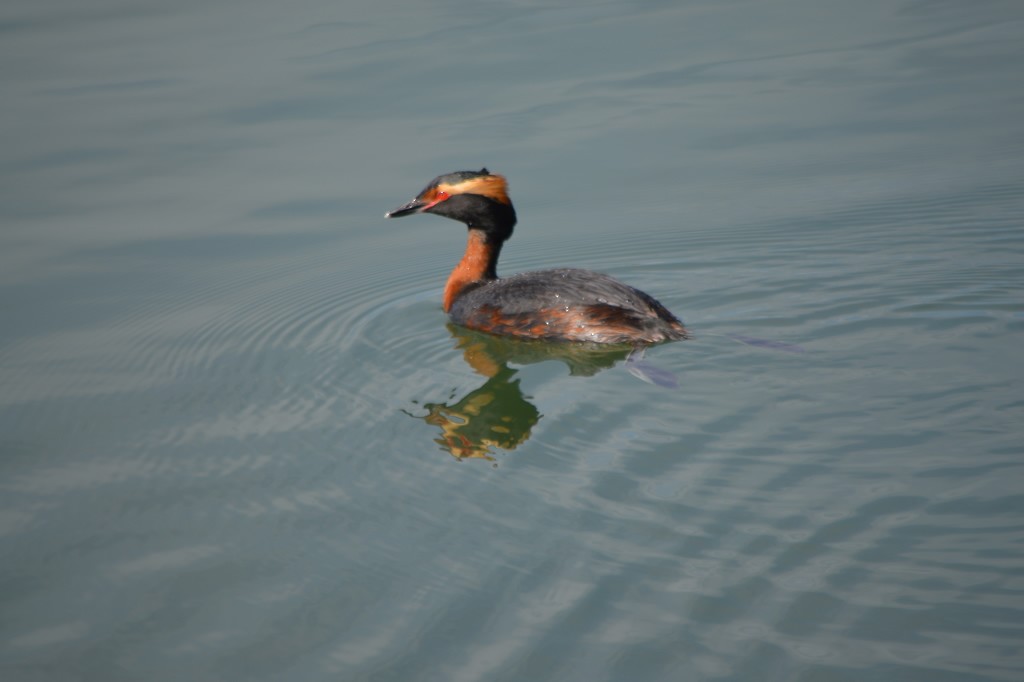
x=441 y=196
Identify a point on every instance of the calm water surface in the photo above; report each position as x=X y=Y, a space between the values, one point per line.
x=239 y=441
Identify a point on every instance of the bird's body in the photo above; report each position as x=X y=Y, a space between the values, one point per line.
x=557 y=305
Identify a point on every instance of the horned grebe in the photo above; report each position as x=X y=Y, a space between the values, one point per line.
x=557 y=305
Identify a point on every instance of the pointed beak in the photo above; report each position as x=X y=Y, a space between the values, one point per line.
x=414 y=206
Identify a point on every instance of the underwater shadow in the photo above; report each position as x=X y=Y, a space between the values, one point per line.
x=497 y=415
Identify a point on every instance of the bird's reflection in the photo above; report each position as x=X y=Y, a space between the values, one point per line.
x=497 y=414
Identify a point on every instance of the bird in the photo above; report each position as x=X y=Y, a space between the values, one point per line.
x=558 y=305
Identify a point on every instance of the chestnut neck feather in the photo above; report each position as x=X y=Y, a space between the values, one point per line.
x=478 y=263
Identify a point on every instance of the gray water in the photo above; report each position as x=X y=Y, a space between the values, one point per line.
x=239 y=441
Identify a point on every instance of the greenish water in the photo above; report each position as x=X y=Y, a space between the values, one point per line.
x=238 y=440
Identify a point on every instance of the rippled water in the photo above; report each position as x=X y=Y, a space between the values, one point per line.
x=239 y=440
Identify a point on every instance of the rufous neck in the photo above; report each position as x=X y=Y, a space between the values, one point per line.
x=478 y=263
